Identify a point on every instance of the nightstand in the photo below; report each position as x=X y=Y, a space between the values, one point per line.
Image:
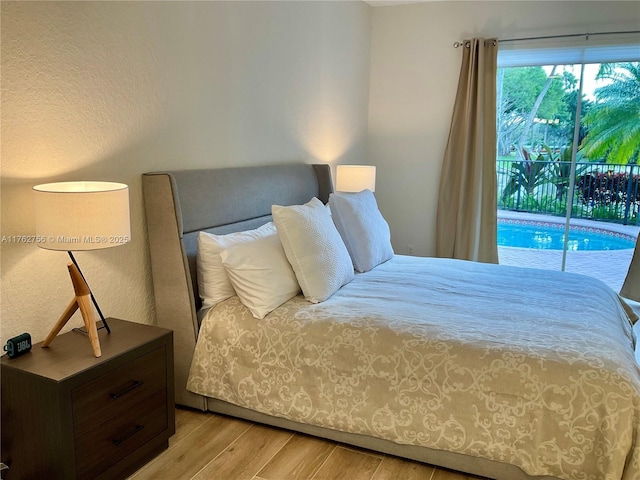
x=69 y=415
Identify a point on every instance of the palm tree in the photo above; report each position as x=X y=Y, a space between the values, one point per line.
x=613 y=122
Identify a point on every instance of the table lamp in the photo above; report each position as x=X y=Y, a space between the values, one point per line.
x=355 y=178
x=81 y=215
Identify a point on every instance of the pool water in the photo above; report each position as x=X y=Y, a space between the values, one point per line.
x=551 y=237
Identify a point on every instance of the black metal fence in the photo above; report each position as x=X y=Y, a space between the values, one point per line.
x=603 y=192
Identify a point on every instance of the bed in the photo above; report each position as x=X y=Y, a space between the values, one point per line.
x=541 y=383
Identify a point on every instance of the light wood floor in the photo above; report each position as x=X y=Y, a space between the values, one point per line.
x=210 y=447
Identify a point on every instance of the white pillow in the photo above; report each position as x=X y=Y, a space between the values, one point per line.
x=260 y=274
x=314 y=248
x=362 y=228
x=213 y=283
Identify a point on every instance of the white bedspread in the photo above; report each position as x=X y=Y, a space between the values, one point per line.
x=531 y=368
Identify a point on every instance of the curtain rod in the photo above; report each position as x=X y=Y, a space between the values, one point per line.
x=585 y=35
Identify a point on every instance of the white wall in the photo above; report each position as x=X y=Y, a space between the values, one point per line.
x=109 y=90
x=414 y=76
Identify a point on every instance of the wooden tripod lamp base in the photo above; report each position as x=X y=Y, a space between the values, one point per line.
x=82 y=300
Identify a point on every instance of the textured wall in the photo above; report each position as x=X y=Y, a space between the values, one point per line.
x=109 y=90
x=414 y=76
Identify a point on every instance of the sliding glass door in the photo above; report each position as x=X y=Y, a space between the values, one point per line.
x=568 y=173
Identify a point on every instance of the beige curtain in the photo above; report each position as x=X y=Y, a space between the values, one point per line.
x=467 y=201
x=631 y=287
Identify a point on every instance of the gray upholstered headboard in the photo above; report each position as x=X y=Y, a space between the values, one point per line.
x=179 y=204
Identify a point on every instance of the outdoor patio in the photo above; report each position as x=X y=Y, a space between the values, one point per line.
x=610 y=266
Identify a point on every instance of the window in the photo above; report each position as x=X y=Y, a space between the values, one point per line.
x=568 y=150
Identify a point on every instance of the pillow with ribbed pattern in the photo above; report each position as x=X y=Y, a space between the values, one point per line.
x=314 y=249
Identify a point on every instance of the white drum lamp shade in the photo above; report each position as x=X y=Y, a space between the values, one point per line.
x=82 y=215
x=355 y=178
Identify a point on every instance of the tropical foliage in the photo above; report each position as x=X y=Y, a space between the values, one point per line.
x=540 y=185
x=613 y=122
x=603 y=189
x=526 y=175
x=548 y=167
x=536 y=122
x=524 y=94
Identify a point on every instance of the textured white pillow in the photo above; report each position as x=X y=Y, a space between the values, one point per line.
x=314 y=249
x=362 y=227
x=213 y=283
x=260 y=274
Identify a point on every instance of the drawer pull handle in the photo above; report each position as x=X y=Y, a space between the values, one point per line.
x=119 y=394
x=119 y=441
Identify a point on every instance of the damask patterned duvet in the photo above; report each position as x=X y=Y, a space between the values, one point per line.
x=531 y=368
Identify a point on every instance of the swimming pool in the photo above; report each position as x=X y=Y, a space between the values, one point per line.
x=550 y=236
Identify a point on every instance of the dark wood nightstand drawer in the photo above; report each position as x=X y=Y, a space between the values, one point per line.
x=117 y=391
x=60 y=419
x=97 y=449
